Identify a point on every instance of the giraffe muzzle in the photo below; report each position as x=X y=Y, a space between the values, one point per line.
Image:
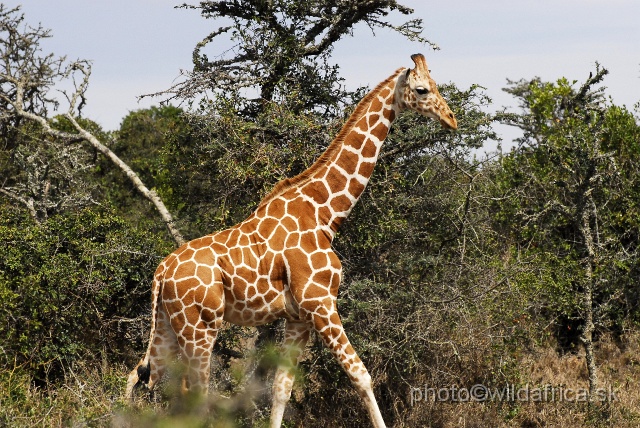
x=449 y=122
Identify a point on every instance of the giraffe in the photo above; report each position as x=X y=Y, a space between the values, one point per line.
x=278 y=263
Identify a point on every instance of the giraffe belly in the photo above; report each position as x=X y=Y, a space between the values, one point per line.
x=256 y=311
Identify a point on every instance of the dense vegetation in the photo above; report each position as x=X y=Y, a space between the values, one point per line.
x=517 y=269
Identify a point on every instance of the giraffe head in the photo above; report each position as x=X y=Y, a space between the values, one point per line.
x=419 y=92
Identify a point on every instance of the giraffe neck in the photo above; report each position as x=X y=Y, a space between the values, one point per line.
x=335 y=181
x=346 y=166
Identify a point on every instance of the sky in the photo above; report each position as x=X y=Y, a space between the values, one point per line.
x=140 y=46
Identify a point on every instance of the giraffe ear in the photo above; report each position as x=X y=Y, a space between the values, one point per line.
x=421 y=63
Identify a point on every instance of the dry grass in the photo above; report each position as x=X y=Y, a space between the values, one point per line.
x=91 y=396
x=544 y=369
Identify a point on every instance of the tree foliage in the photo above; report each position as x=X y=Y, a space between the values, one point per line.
x=70 y=285
x=570 y=170
x=565 y=186
x=281 y=50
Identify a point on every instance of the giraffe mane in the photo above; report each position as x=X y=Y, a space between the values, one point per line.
x=287 y=183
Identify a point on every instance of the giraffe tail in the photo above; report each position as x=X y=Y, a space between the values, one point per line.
x=140 y=375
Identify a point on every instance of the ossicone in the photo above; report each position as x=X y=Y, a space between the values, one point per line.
x=421 y=63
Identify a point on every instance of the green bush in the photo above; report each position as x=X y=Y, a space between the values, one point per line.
x=69 y=284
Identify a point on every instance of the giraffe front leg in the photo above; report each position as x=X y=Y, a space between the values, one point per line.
x=296 y=335
x=329 y=326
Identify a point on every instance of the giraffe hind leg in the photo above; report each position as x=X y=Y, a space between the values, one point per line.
x=163 y=348
x=196 y=349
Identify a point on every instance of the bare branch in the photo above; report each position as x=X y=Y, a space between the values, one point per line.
x=26 y=202
x=26 y=77
x=150 y=194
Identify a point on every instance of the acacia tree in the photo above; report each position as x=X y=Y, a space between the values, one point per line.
x=27 y=80
x=282 y=47
x=281 y=53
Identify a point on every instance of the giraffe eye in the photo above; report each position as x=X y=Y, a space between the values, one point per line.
x=422 y=91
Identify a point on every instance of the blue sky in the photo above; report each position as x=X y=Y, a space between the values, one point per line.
x=140 y=46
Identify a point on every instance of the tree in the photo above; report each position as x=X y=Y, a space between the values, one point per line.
x=563 y=187
x=27 y=78
x=43 y=174
x=282 y=50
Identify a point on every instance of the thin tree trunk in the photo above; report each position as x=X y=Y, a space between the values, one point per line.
x=26 y=202
x=587 y=298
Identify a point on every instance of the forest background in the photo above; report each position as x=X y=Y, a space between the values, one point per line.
x=515 y=268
